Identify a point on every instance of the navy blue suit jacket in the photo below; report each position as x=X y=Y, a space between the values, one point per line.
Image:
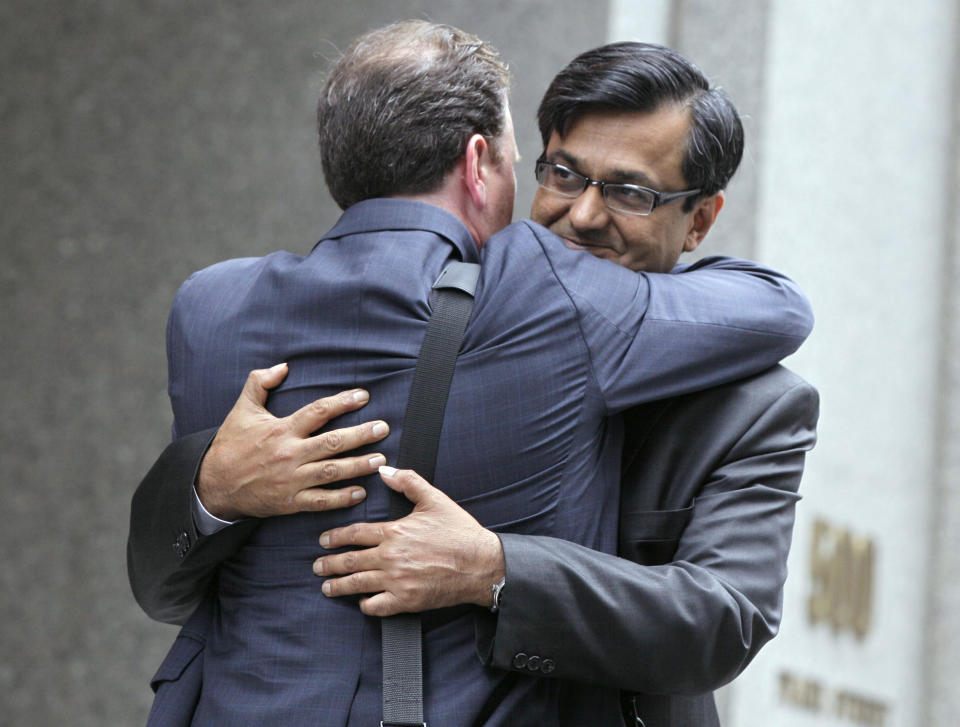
x=558 y=343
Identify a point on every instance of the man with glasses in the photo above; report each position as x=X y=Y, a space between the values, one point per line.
x=562 y=605
x=630 y=199
x=637 y=151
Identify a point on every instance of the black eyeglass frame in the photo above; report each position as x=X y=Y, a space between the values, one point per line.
x=659 y=198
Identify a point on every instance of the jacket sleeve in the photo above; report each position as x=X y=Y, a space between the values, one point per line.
x=717 y=321
x=651 y=336
x=170 y=565
x=706 y=594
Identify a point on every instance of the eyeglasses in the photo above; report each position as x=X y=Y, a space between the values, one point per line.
x=630 y=199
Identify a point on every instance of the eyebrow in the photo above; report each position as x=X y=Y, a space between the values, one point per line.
x=617 y=176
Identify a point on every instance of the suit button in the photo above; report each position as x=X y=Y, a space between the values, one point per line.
x=547 y=666
x=520 y=660
x=533 y=663
x=182 y=545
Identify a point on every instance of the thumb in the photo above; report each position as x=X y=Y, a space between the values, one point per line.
x=260 y=381
x=408 y=483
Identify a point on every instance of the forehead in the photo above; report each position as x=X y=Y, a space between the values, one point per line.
x=626 y=146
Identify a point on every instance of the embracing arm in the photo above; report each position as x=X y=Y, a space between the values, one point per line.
x=677 y=625
x=255 y=465
x=653 y=336
x=721 y=467
x=169 y=563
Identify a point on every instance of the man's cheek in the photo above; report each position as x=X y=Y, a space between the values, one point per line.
x=546 y=211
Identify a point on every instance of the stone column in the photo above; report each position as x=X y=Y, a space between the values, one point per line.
x=942 y=668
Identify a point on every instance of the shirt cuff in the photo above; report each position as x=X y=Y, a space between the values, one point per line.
x=206 y=523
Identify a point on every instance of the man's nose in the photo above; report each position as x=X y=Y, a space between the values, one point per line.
x=588 y=211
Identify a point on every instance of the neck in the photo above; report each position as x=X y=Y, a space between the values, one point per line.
x=449 y=197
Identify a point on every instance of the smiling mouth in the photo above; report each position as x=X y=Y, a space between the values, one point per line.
x=584 y=245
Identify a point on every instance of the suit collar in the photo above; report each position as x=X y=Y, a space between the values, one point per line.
x=378 y=215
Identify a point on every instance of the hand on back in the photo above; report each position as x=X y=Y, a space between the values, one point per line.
x=260 y=465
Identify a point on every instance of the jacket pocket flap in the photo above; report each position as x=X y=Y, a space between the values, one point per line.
x=181 y=654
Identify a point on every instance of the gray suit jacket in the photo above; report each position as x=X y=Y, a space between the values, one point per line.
x=707 y=509
x=707 y=505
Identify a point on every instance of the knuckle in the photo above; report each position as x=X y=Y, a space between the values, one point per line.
x=395 y=558
x=329 y=471
x=275 y=430
x=282 y=454
x=346 y=584
x=321 y=408
x=360 y=583
x=320 y=501
x=396 y=531
x=355 y=466
x=333 y=441
x=343 y=536
x=408 y=593
x=352 y=534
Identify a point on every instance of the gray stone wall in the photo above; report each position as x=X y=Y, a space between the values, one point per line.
x=942 y=699
x=141 y=141
x=856 y=100
x=729 y=43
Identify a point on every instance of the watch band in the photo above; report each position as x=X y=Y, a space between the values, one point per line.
x=497 y=589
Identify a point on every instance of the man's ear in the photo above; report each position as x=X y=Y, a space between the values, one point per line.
x=476 y=157
x=702 y=219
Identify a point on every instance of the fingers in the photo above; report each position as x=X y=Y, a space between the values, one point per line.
x=313 y=474
x=317 y=413
x=324 y=445
x=382 y=604
x=319 y=499
x=260 y=381
x=358 y=570
x=409 y=483
x=371 y=581
x=361 y=534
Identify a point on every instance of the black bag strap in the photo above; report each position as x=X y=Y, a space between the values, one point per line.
x=451 y=302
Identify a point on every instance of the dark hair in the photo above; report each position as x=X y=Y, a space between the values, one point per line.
x=398 y=108
x=644 y=77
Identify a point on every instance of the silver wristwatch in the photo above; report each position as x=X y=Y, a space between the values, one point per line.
x=497 y=589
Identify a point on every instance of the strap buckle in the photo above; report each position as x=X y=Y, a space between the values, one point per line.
x=461 y=276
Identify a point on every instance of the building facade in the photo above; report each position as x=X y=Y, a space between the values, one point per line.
x=839 y=101
x=145 y=140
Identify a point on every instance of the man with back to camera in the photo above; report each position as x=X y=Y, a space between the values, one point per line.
x=579 y=219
